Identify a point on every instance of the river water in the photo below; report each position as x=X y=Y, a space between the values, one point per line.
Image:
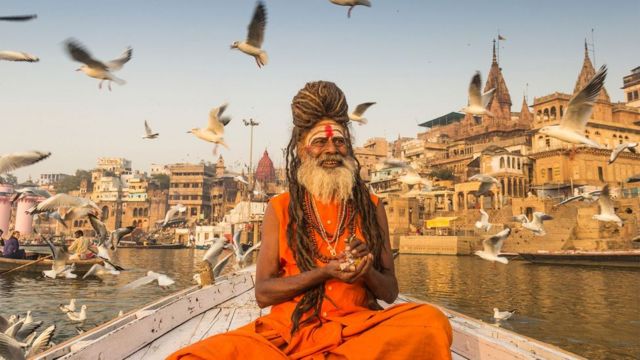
x=593 y=312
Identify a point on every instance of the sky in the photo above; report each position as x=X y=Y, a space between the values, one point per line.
x=414 y=58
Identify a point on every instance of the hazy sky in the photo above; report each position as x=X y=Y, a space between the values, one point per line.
x=414 y=57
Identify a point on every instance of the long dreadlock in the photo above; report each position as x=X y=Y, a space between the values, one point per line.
x=316 y=101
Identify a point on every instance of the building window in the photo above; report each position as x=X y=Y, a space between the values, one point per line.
x=550 y=173
x=518 y=164
x=629 y=96
x=635 y=94
x=600 y=173
x=547 y=141
x=501 y=162
x=553 y=113
x=194 y=211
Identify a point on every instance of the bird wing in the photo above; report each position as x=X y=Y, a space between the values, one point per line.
x=79 y=53
x=147 y=128
x=581 y=104
x=475 y=99
x=493 y=244
x=360 y=109
x=221 y=265
x=141 y=281
x=214 y=120
x=257 y=26
x=237 y=247
x=18 y=17
x=614 y=154
x=41 y=341
x=4 y=324
x=211 y=256
x=14 y=161
x=18 y=56
x=118 y=234
x=484 y=217
x=225 y=120
x=10 y=348
x=93 y=270
x=99 y=227
x=539 y=217
x=55 y=202
x=251 y=249
x=484 y=188
x=522 y=218
x=578 y=197
x=27 y=329
x=164 y=280
x=605 y=202
x=117 y=63
x=487 y=97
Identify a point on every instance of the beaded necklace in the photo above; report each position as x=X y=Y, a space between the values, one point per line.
x=345 y=217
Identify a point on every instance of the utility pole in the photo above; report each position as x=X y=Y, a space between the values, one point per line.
x=251 y=123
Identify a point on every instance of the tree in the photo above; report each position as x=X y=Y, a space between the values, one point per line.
x=442 y=174
x=9 y=179
x=73 y=182
x=162 y=180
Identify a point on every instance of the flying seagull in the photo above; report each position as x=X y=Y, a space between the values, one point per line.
x=535 y=225
x=590 y=196
x=214 y=132
x=574 y=121
x=18 y=17
x=63 y=200
x=486 y=182
x=607 y=211
x=478 y=101
x=483 y=223
x=163 y=281
x=241 y=255
x=9 y=55
x=351 y=4
x=357 y=114
x=13 y=161
x=493 y=245
x=173 y=212
x=149 y=133
x=620 y=148
x=252 y=46
x=95 y=68
x=502 y=315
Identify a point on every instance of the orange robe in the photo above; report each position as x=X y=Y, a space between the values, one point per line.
x=349 y=329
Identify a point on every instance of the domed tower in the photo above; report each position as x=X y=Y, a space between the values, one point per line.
x=265 y=171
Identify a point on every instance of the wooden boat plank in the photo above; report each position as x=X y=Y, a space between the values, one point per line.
x=243 y=316
x=136 y=334
x=205 y=325
x=221 y=323
x=175 y=339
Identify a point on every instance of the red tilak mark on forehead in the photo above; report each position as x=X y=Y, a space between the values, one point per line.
x=328 y=130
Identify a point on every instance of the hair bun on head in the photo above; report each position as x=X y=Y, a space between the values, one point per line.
x=318 y=100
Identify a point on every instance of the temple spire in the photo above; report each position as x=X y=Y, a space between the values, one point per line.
x=586 y=73
x=525 y=114
x=495 y=59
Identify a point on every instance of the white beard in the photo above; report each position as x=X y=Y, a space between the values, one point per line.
x=326 y=185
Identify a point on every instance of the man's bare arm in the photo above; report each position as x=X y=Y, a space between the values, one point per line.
x=383 y=284
x=270 y=287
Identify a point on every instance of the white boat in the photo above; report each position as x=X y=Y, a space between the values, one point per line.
x=164 y=326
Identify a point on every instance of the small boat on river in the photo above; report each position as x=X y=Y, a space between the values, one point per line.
x=622 y=258
x=164 y=326
x=81 y=266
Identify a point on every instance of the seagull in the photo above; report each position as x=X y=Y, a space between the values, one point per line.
x=535 y=225
x=30 y=190
x=69 y=307
x=241 y=255
x=19 y=17
x=211 y=257
x=356 y=115
x=502 y=315
x=492 y=246
x=9 y=55
x=483 y=223
x=351 y=4
x=620 y=148
x=149 y=133
x=486 y=182
x=11 y=348
x=59 y=267
x=78 y=316
x=252 y=46
x=478 y=101
x=574 y=121
x=607 y=211
x=173 y=212
x=95 y=68
x=66 y=201
x=590 y=196
x=163 y=281
x=28 y=319
x=118 y=234
x=13 y=161
x=214 y=132
x=99 y=270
